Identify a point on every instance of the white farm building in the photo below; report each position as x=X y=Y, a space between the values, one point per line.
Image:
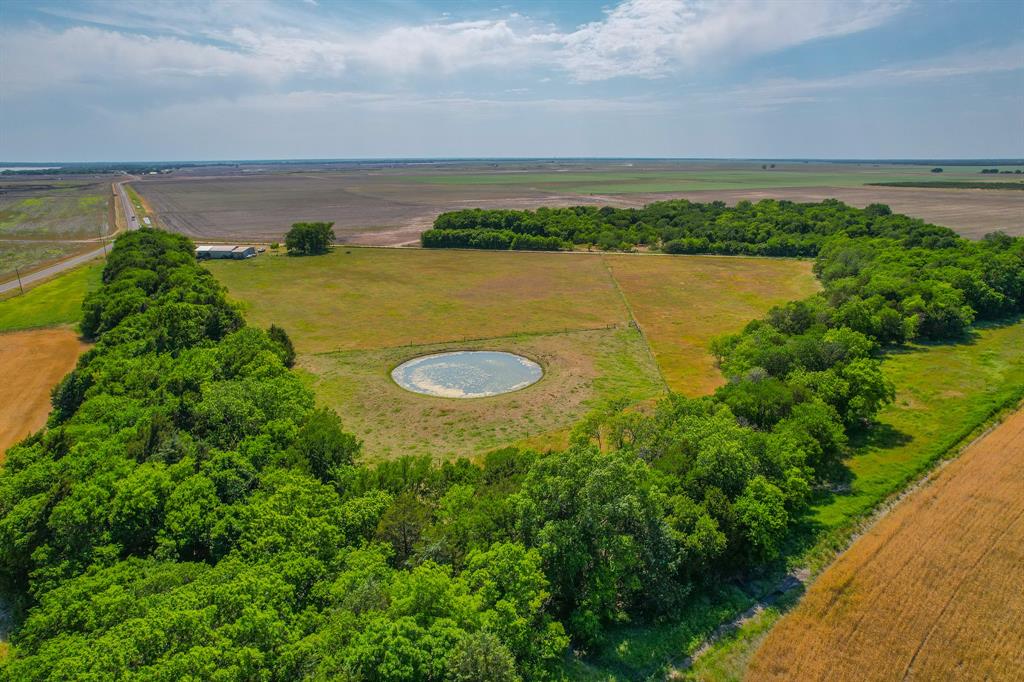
x=208 y=251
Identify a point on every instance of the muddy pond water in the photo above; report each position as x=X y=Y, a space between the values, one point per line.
x=467 y=374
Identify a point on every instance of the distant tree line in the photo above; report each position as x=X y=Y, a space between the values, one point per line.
x=953 y=184
x=767 y=228
x=100 y=168
x=189 y=513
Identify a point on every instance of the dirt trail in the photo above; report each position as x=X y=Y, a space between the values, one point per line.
x=32 y=362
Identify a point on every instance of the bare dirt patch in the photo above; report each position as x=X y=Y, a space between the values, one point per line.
x=32 y=362
x=933 y=591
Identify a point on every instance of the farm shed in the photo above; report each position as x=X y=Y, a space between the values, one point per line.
x=206 y=251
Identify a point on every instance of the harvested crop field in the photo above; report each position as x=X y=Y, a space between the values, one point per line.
x=365 y=208
x=32 y=362
x=390 y=204
x=682 y=302
x=933 y=591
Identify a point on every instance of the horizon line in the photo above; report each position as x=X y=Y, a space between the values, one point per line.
x=421 y=159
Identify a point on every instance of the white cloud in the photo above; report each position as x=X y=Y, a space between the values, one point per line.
x=454 y=46
x=264 y=40
x=349 y=101
x=39 y=59
x=652 y=38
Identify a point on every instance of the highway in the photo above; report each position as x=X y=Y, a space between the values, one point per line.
x=74 y=261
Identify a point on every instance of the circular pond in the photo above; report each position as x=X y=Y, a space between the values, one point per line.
x=467 y=374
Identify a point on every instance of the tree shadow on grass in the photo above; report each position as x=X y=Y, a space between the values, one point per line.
x=880 y=436
x=969 y=337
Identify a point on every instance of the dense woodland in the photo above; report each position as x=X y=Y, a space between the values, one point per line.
x=189 y=511
x=767 y=228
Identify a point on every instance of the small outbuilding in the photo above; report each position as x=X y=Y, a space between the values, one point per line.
x=211 y=251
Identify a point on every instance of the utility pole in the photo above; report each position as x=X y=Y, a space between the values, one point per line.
x=18 y=273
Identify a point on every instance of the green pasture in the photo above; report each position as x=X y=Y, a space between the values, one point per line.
x=58 y=301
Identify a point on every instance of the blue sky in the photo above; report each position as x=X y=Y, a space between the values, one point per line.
x=676 y=78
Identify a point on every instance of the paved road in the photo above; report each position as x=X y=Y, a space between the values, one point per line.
x=75 y=261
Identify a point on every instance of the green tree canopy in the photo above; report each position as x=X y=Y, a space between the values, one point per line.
x=309 y=239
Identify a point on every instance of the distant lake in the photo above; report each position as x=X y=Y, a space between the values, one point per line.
x=24 y=168
x=467 y=374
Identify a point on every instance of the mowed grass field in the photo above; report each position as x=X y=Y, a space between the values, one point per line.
x=55 y=302
x=681 y=304
x=934 y=591
x=355 y=314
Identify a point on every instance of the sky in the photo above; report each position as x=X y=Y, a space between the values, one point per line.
x=263 y=79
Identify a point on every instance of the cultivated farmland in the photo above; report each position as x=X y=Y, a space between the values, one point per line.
x=43 y=219
x=933 y=591
x=26 y=255
x=389 y=204
x=55 y=209
x=31 y=363
x=356 y=313
x=367 y=208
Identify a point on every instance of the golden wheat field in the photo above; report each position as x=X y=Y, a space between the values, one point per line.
x=31 y=363
x=935 y=591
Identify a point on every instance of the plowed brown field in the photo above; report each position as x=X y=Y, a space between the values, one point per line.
x=31 y=363
x=935 y=591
